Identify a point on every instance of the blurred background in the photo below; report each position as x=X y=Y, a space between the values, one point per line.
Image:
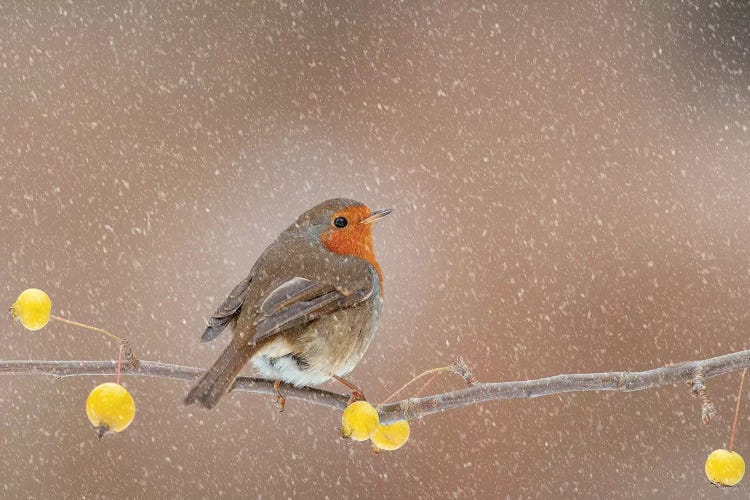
x=571 y=186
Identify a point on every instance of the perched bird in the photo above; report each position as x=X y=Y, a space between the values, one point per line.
x=309 y=307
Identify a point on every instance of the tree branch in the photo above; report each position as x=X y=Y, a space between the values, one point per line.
x=416 y=408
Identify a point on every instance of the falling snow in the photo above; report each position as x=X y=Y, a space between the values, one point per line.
x=571 y=193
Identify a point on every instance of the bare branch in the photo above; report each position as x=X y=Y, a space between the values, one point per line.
x=416 y=408
x=63 y=369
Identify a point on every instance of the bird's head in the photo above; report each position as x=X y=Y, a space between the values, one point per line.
x=344 y=227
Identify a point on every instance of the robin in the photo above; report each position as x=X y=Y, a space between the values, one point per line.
x=309 y=307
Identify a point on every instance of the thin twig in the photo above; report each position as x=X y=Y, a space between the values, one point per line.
x=416 y=408
x=87 y=327
x=424 y=373
x=124 y=344
x=119 y=363
x=737 y=410
x=426 y=384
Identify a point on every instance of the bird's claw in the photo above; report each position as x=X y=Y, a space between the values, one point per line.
x=356 y=395
x=280 y=398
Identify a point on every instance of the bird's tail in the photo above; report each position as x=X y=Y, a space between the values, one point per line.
x=219 y=378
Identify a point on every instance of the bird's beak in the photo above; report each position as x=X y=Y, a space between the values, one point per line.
x=376 y=216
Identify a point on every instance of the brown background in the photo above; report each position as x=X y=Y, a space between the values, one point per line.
x=571 y=190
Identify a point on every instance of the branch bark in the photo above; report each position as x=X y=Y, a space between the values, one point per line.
x=416 y=408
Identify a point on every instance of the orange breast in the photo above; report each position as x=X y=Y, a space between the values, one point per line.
x=355 y=239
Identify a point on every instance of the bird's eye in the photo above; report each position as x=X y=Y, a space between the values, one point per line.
x=340 y=222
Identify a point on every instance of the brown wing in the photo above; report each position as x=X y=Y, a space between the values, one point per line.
x=227 y=311
x=300 y=301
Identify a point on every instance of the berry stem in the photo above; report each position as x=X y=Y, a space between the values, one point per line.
x=737 y=410
x=88 y=327
x=434 y=370
x=119 y=363
x=429 y=381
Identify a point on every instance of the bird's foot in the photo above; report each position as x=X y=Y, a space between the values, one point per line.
x=356 y=395
x=356 y=392
x=280 y=398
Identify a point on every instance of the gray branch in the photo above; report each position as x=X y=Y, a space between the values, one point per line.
x=416 y=408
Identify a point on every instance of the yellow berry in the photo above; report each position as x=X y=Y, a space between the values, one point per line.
x=725 y=468
x=110 y=407
x=32 y=308
x=391 y=436
x=359 y=421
